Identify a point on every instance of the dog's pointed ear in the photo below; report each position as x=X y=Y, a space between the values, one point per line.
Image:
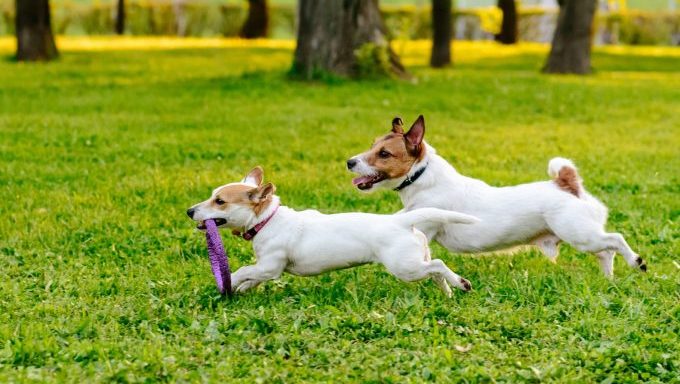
x=415 y=135
x=262 y=193
x=397 y=125
x=254 y=177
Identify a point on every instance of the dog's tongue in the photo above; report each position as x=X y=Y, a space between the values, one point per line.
x=361 y=180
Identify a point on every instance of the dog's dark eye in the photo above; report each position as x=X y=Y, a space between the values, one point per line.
x=384 y=154
x=219 y=201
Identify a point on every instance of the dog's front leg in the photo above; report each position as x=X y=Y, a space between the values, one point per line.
x=240 y=276
x=267 y=268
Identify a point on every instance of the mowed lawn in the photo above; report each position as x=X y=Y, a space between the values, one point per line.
x=104 y=277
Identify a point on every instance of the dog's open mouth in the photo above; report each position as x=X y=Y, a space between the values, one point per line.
x=366 y=182
x=218 y=222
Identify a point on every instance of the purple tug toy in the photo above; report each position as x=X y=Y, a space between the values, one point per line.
x=219 y=262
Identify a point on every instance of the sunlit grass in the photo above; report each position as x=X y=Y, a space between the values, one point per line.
x=413 y=53
x=105 y=278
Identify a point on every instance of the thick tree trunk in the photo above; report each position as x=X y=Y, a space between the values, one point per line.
x=330 y=33
x=257 y=23
x=35 y=41
x=120 y=17
x=508 y=33
x=441 y=33
x=570 y=51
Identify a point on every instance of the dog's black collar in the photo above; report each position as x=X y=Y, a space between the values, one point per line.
x=411 y=179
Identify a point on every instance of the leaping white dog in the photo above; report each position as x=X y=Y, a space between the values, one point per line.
x=309 y=243
x=541 y=213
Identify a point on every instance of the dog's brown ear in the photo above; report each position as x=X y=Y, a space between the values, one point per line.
x=415 y=135
x=254 y=177
x=397 y=125
x=262 y=193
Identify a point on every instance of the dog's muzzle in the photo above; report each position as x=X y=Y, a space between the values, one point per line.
x=367 y=182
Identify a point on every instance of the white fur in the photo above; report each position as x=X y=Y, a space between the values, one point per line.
x=363 y=168
x=308 y=243
x=538 y=213
x=557 y=163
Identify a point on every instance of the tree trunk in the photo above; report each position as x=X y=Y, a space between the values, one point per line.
x=570 y=51
x=508 y=33
x=333 y=34
x=120 y=17
x=441 y=33
x=257 y=23
x=181 y=22
x=35 y=41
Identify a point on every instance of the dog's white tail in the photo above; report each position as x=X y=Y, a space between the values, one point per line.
x=434 y=215
x=565 y=175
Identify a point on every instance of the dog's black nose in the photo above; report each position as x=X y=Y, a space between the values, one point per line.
x=351 y=163
x=190 y=212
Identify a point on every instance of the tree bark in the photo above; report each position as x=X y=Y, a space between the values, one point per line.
x=35 y=41
x=508 y=33
x=570 y=51
x=257 y=23
x=441 y=33
x=330 y=32
x=181 y=22
x=120 y=17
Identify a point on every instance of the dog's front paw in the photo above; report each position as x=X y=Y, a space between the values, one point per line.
x=246 y=285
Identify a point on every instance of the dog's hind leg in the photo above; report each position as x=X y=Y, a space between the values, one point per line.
x=549 y=245
x=582 y=226
x=437 y=267
x=407 y=261
x=420 y=269
x=589 y=237
x=611 y=242
x=438 y=279
x=616 y=242
x=606 y=259
x=443 y=285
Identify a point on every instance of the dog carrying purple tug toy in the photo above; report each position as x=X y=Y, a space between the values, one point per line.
x=219 y=263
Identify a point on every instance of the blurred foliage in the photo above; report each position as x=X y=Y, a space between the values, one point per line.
x=373 y=61
x=645 y=28
x=146 y=17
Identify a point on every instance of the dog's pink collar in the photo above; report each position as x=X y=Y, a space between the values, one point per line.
x=249 y=234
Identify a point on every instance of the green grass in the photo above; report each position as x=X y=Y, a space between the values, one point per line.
x=104 y=277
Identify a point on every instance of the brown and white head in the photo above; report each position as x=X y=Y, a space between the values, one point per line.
x=389 y=160
x=235 y=205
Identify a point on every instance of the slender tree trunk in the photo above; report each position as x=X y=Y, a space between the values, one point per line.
x=331 y=31
x=35 y=41
x=181 y=22
x=257 y=23
x=508 y=33
x=441 y=33
x=120 y=17
x=570 y=51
